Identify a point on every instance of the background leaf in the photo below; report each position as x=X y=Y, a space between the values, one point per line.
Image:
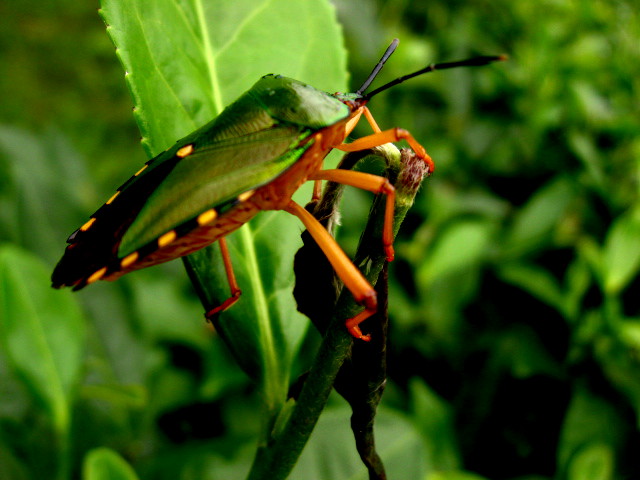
x=32 y=179
x=621 y=256
x=105 y=464
x=396 y=441
x=460 y=247
x=42 y=333
x=594 y=462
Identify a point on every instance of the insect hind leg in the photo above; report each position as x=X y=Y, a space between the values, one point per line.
x=353 y=279
x=231 y=278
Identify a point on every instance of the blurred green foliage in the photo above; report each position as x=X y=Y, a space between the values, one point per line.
x=515 y=326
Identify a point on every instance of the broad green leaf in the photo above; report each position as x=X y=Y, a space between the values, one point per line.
x=434 y=418
x=629 y=332
x=621 y=252
x=593 y=462
x=331 y=453
x=534 y=223
x=460 y=246
x=105 y=464
x=41 y=331
x=41 y=170
x=185 y=61
x=534 y=280
x=589 y=420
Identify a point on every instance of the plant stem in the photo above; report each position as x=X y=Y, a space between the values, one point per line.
x=276 y=460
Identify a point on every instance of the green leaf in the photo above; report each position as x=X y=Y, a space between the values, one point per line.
x=584 y=147
x=41 y=170
x=534 y=280
x=42 y=332
x=629 y=332
x=331 y=453
x=130 y=396
x=534 y=223
x=615 y=355
x=621 y=253
x=593 y=462
x=460 y=246
x=434 y=417
x=589 y=421
x=105 y=464
x=578 y=280
x=184 y=62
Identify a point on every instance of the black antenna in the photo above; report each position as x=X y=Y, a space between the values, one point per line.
x=390 y=49
x=470 y=62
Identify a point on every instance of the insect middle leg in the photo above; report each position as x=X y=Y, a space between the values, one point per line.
x=231 y=278
x=372 y=183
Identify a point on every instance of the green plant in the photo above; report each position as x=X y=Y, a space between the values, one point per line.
x=513 y=314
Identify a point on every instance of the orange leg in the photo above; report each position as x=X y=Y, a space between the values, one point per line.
x=353 y=121
x=371 y=120
x=361 y=289
x=388 y=136
x=317 y=191
x=231 y=278
x=372 y=183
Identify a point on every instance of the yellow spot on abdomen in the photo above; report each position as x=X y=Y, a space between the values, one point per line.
x=243 y=197
x=207 y=217
x=113 y=197
x=167 y=238
x=184 y=151
x=129 y=260
x=87 y=225
x=97 y=275
x=141 y=170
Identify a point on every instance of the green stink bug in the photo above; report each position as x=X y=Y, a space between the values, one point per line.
x=252 y=157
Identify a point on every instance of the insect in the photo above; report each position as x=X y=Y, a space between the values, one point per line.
x=252 y=157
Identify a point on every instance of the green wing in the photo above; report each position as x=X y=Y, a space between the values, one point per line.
x=212 y=176
x=241 y=149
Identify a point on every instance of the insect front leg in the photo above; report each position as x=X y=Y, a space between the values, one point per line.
x=388 y=136
x=231 y=278
x=371 y=120
x=352 y=278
